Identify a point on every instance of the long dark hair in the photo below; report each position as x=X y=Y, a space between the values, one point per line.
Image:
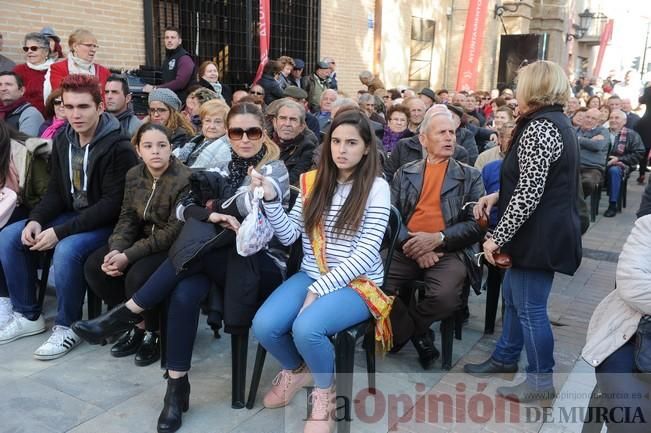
x=363 y=177
x=7 y=133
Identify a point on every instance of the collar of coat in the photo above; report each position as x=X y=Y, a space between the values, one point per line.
x=415 y=173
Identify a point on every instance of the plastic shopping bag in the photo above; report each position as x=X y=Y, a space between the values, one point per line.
x=255 y=231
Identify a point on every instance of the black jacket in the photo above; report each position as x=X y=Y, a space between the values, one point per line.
x=462 y=185
x=297 y=154
x=111 y=155
x=409 y=149
x=272 y=90
x=466 y=139
x=550 y=239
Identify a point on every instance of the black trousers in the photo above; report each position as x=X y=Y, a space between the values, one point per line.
x=114 y=290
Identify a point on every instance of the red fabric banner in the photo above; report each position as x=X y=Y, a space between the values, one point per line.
x=606 y=35
x=265 y=36
x=473 y=39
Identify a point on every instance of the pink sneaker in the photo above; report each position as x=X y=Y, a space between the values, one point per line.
x=285 y=386
x=322 y=418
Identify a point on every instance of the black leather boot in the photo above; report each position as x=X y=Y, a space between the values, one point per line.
x=129 y=343
x=149 y=351
x=427 y=353
x=120 y=319
x=490 y=367
x=177 y=401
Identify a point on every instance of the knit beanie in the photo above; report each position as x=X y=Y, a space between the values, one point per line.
x=167 y=97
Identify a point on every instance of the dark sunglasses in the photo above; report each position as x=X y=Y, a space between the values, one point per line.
x=58 y=102
x=254 y=133
x=32 y=48
x=256 y=93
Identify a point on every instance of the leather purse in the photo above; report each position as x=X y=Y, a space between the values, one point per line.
x=502 y=260
x=642 y=351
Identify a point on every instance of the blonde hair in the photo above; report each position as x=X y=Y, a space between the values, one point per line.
x=543 y=83
x=272 y=153
x=78 y=35
x=214 y=107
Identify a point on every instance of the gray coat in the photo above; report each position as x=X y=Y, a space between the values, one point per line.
x=593 y=152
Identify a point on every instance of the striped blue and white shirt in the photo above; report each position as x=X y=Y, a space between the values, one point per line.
x=348 y=256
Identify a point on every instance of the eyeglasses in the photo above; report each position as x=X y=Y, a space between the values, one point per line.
x=154 y=111
x=32 y=48
x=91 y=46
x=57 y=102
x=254 y=133
x=256 y=93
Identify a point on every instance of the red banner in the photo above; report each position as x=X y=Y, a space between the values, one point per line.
x=606 y=35
x=473 y=39
x=265 y=36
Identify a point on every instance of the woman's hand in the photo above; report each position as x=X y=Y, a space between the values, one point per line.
x=115 y=263
x=490 y=247
x=485 y=204
x=309 y=298
x=258 y=179
x=226 y=221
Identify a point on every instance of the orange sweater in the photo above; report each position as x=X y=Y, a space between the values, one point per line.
x=428 y=215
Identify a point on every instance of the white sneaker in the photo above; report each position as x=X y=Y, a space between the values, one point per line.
x=62 y=341
x=19 y=327
x=6 y=311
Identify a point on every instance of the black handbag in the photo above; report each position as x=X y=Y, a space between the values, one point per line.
x=197 y=238
x=642 y=353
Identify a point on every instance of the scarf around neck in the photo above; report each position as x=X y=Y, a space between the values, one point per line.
x=80 y=66
x=238 y=168
x=42 y=67
x=8 y=109
x=390 y=138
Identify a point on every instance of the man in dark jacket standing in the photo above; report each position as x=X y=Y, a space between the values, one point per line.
x=438 y=239
x=296 y=142
x=75 y=217
x=178 y=67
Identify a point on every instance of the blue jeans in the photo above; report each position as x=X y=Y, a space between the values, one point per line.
x=70 y=253
x=291 y=338
x=622 y=388
x=526 y=324
x=615 y=175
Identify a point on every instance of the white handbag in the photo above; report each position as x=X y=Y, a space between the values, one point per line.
x=8 y=202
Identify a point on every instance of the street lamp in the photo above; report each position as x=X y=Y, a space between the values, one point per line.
x=585 y=19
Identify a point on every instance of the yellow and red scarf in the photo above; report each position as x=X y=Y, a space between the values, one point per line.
x=378 y=303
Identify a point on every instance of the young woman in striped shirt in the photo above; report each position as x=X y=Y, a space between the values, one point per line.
x=341 y=216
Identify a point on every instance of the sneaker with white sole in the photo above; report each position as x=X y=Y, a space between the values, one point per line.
x=62 y=341
x=6 y=311
x=18 y=327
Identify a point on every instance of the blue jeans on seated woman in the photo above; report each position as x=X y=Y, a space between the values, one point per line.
x=623 y=391
x=292 y=338
x=70 y=253
x=526 y=324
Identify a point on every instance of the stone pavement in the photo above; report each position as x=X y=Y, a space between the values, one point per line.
x=89 y=391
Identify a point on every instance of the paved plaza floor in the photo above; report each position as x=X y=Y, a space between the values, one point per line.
x=90 y=391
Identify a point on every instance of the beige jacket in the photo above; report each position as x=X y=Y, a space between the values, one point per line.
x=615 y=319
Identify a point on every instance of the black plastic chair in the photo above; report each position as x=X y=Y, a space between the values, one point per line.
x=344 y=342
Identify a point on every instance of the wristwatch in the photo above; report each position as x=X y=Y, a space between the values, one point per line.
x=442 y=238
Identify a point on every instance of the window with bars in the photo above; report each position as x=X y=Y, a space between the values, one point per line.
x=225 y=31
x=422 y=44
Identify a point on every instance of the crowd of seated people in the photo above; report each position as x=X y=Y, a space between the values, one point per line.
x=124 y=209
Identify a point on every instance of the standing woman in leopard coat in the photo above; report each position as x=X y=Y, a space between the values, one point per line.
x=538 y=227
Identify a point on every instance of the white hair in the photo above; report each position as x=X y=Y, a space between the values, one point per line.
x=435 y=111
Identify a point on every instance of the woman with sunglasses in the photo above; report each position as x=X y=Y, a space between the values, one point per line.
x=220 y=197
x=341 y=216
x=55 y=115
x=33 y=71
x=81 y=60
x=165 y=110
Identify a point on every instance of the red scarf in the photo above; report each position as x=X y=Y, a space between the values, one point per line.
x=7 y=109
